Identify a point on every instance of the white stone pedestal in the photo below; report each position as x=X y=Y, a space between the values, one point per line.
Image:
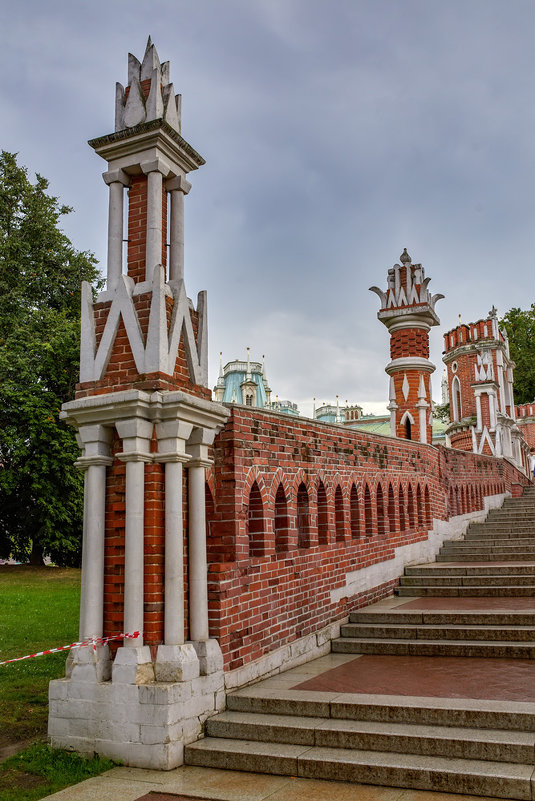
x=134 y=718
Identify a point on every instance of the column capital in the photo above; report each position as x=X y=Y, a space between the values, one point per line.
x=171 y=456
x=155 y=165
x=116 y=176
x=94 y=439
x=178 y=183
x=84 y=462
x=136 y=433
x=135 y=456
x=199 y=462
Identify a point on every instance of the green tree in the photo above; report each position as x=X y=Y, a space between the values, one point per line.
x=41 y=492
x=520 y=327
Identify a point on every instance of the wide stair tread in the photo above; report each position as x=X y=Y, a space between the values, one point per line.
x=451 y=741
x=497 y=649
x=444 y=631
x=477 y=777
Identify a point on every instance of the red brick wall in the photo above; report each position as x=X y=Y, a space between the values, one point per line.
x=137 y=227
x=260 y=602
x=409 y=342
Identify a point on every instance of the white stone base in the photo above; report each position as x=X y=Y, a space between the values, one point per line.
x=142 y=722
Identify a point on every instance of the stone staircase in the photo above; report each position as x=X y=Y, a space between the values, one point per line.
x=460 y=745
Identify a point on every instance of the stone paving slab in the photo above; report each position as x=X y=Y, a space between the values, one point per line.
x=191 y=783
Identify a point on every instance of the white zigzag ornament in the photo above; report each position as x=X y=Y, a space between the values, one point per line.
x=159 y=352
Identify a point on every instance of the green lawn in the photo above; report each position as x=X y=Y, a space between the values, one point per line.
x=39 y=610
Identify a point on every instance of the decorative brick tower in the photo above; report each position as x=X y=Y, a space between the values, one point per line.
x=408 y=311
x=143 y=413
x=480 y=389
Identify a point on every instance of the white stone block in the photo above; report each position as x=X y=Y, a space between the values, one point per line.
x=221 y=701
x=206 y=685
x=191 y=731
x=176 y=663
x=159 y=693
x=210 y=656
x=152 y=735
x=133 y=666
x=83 y=745
x=124 y=694
x=58 y=689
x=302 y=646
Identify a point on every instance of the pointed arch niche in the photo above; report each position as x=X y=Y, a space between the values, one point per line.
x=255 y=522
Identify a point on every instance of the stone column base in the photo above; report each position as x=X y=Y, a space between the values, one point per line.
x=132 y=718
x=89 y=664
x=176 y=663
x=210 y=656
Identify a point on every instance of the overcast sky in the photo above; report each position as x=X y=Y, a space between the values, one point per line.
x=335 y=133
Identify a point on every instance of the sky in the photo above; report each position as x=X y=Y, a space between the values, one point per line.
x=335 y=133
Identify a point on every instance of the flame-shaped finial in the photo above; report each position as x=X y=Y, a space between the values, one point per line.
x=405 y=258
x=149 y=94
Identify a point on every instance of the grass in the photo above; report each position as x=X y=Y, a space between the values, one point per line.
x=39 y=771
x=40 y=609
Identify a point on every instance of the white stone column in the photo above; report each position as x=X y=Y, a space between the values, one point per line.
x=95 y=441
x=208 y=650
x=175 y=660
x=136 y=433
x=116 y=180
x=197 y=552
x=177 y=188
x=492 y=410
x=392 y=407
x=155 y=171
x=479 y=423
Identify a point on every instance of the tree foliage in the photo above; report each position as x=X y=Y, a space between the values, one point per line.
x=520 y=327
x=41 y=498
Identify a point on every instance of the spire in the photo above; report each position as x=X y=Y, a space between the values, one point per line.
x=221 y=376
x=264 y=375
x=313 y=408
x=248 y=375
x=337 y=409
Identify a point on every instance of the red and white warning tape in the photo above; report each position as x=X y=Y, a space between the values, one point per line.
x=94 y=641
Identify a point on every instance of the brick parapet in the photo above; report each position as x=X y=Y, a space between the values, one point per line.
x=263 y=599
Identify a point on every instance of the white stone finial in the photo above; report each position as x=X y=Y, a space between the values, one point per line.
x=248 y=376
x=138 y=104
x=421 y=389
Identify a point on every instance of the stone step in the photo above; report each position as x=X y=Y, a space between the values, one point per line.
x=505 y=526
x=492 y=544
x=468 y=592
x=469 y=581
x=507 y=569
x=439 y=632
x=474 y=713
x=475 y=777
x=509 y=532
x=498 y=618
x=494 y=745
x=509 y=514
x=483 y=556
x=469 y=648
